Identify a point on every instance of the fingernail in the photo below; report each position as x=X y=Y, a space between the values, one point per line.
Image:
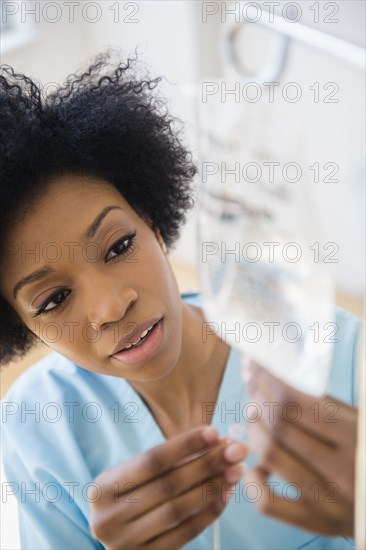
x=235 y=452
x=246 y=373
x=235 y=473
x=252 y=412
x=210 y=435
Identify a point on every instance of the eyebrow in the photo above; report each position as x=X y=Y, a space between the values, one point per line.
x=31 y=278
x=94 y=226
x=45 y=270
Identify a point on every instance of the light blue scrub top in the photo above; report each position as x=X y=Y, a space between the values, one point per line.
x=64 y=425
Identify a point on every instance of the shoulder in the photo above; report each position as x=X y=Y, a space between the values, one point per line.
x=192 y=296
x=349 y=325
x=42 y=380
x=54 y=395
x=57 y=409
x=37 y=395
x=55 y=377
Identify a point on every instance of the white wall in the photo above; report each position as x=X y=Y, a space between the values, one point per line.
x=330 y=132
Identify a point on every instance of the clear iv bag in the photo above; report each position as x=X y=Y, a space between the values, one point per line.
x=264 y=285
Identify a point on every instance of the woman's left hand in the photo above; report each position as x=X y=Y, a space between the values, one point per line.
x=309 y=441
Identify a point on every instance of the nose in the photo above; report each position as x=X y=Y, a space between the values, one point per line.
x=108 y=302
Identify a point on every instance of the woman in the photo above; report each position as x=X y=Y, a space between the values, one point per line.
x=106 y=446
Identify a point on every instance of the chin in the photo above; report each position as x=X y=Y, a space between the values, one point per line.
x=158 y=369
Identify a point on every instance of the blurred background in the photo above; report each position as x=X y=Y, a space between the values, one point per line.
x=182 y=41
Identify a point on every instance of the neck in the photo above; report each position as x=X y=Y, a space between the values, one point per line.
x=176 y=400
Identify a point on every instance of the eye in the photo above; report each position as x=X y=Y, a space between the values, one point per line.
x=121 y=247
x=54 y=302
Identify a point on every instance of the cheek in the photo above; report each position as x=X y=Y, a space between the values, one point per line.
x=76 y=348
x=156 y=270
x=66 y=337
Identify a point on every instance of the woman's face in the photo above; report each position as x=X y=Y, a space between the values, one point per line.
x=83 y=270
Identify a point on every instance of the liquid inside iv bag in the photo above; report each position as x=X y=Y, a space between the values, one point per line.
x=283 y=321
x=277 y=309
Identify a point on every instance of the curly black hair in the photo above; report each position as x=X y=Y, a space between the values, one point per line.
x=106 y=122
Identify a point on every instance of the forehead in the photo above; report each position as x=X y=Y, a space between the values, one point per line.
x=67 y=205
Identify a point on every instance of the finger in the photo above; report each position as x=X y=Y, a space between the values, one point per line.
x=190 y=528
x=300 y=512
x=346 y=410
x=319 y=417
x=246 y=368
x=174 y=512
x=156 y=461
x=177 y=481
x=290 y=466
x=283 y=447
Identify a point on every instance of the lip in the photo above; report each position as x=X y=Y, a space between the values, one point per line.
x=145 y=351
x=134 y=334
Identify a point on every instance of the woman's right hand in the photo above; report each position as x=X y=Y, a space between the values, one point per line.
x=167 y=495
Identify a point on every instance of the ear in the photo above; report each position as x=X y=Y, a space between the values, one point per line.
x=156 y=232
x=160 y=239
